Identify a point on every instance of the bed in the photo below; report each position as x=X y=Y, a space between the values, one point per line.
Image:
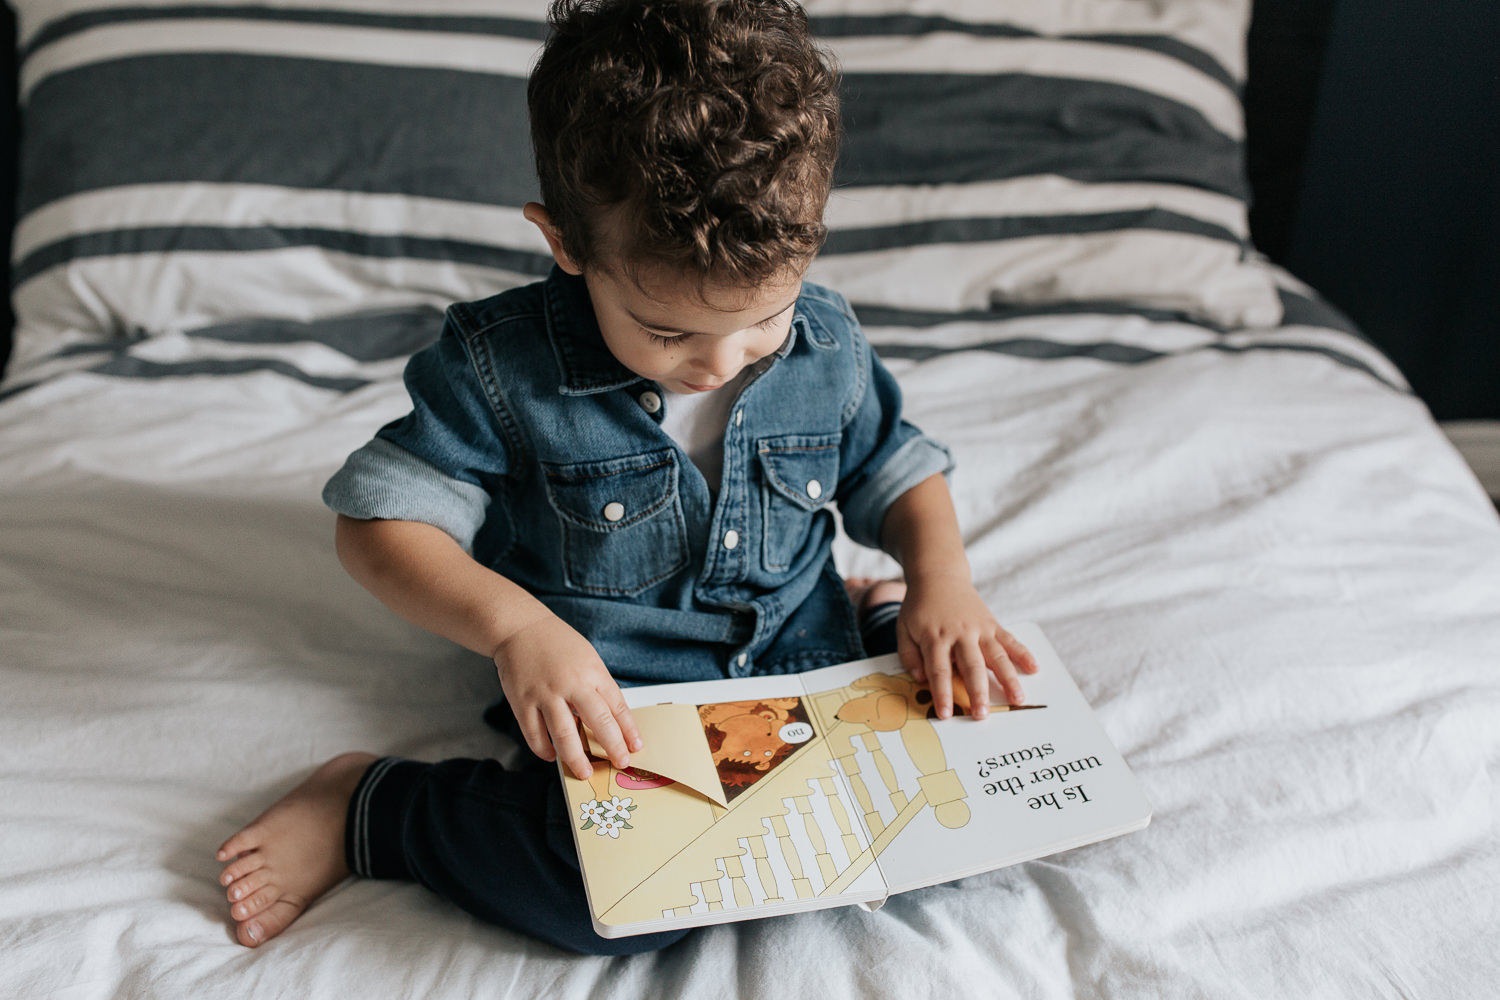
x=1271 y=576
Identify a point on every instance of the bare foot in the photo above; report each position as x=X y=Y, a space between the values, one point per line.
x=868 y=591
x=292 y=853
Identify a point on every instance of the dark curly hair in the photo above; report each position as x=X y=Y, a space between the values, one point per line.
x=707 y=129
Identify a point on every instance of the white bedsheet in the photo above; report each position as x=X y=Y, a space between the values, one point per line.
x=1268 y=571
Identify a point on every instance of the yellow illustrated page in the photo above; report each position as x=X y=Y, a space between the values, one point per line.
x=732 y=809
x=776 y=794
x=943 y=799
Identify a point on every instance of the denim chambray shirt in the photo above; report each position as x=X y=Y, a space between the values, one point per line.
x=544 y=457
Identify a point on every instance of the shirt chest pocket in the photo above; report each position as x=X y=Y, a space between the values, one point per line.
x=621 y=519
x=800 y=472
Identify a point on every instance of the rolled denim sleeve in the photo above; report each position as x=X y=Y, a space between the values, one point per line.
x=882 y=455
x=442 y=462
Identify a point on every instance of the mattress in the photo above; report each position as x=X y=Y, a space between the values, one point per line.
x=1270 y=574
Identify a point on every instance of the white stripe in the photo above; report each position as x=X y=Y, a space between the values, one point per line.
x=1165 y=270
x=34 y=17
x=239 y=205
x=308 y=356
x=182 y=291
x=445 y=50
x=1165 y=337
x=361 y=819
x=1142 y=69
x=1217 y=27
x=1044 y=194
x=1070 y=328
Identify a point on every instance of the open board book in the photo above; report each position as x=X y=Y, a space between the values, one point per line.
x=762 y=796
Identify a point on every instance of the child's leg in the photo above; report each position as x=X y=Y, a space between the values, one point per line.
x=878 y=603
x=495 y=842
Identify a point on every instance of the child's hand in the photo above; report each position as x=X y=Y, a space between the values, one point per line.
x=550 y=674
x=944 y=626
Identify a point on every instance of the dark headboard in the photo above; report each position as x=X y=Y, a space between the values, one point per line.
x=1286 y=50
x=8 y=167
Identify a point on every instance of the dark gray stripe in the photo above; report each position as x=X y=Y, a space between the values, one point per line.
x=124 y=366
x=457 y=23
x=300 y=123
x=363 y=337
x=1298 y=310
x=307 y=123
x=838 y=26
x=167 y=239
x=859 y=26
x=1121 y=354
x=951 y=129
x=1302 y=310
x=185 y=239
x=886 y=316
x=932 y=231
x=391 y=334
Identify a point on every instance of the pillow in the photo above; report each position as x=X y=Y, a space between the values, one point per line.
x=186 y=165
x=1006 y=154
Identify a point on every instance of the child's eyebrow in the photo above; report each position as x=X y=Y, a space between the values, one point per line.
x=678 y=330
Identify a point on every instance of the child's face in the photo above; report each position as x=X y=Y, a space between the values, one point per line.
x=686 y=337
x=691 y=340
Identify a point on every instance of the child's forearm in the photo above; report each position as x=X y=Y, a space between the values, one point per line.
x=423 y=575
x=921 y=532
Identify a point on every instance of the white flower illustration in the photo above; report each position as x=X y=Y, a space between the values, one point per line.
x=610 y=825
x=617 y=806
x=592 y=812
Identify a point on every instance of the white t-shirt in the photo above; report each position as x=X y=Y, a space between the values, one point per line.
x=696 y=421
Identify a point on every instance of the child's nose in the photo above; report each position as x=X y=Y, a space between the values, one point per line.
x=725 y=358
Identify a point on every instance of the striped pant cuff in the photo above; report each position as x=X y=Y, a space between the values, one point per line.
x=377 y=809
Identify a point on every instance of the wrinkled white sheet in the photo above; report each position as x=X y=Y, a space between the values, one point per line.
x=1268 y=571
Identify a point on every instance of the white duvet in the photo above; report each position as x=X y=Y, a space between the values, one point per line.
x=1271 y=576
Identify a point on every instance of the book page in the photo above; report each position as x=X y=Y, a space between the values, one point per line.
x=941 y=799
x=775 y=834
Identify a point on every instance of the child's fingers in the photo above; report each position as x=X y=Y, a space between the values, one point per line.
x=565 y=740
x=1019 y=654
x=621 y=712
x=534 y=728
x=626 y=722
x=938 y=659
x=598 y=715
x=971 y=668
x=1004 y=669
x=911 y=656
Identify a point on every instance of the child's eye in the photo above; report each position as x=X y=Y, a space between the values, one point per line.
x=657 y=338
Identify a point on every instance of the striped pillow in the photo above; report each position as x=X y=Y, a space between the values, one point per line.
x=192 y=164
x=1013 y=154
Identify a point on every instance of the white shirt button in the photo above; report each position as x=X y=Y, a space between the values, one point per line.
x=741 y=659
x=650 y=401
x=614 y=510
x=814 y=488
x=731 y=538
x=739 y=417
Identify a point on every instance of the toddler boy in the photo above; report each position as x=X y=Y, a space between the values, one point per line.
x=625 y=473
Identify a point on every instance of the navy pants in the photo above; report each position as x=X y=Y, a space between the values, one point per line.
x=498 y=842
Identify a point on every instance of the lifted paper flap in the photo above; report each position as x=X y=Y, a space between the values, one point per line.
x=675 y=747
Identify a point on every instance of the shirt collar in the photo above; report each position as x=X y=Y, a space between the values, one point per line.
x=586 y=364
x=582 y=357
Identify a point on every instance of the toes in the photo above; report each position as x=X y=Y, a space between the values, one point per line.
x=256 y=932
x=242 y=887
x=247 y=839
x=244 y=866
x=254 y=903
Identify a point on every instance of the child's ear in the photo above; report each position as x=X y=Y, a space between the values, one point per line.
x=536 y=214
